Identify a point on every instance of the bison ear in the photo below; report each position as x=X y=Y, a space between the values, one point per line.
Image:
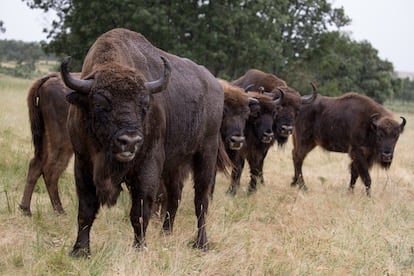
x=78 y=99
x=254 y=110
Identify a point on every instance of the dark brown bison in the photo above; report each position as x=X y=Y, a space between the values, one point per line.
x=48 y=110
x=271 y=85
x=259 y=138
x=133 y=121
x=270 y=124
x=352 y=124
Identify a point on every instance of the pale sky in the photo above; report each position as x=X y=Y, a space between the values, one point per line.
x=387 y=24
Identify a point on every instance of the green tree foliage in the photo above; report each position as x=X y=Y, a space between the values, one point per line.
x=338 y=65
x=292 y=39
x=228 y=37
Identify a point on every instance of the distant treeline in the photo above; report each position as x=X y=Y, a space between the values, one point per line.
x=24 y=55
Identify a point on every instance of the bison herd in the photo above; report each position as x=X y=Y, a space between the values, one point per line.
x=144 y=117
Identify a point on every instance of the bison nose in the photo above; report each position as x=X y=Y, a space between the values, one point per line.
x=236 y=142
x=287 y=129
x=268 y=133
x=237 y=139
x=387 y=156
x=128 y=141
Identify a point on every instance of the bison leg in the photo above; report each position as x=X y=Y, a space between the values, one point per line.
x=354 y=176
x=204 y=176
x=299 y=152
x=52 y=172
x=236 y=175
x=140 y=214
x=256 y=161
x=174 y=186
x=87 y=210
x=35 y=171
x=360 y=166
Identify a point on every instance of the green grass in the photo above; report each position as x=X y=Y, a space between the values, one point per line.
x=277 y=231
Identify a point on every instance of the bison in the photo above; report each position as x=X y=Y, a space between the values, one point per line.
x=351 y=123
x=270 y=124
x=48 y=110
x=142 y=116
x=259 y=138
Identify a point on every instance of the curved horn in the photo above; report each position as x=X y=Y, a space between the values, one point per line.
x=404 y=121
x=246 y=89
x=310 y=98
x=71 y=82
x=280 y=99
x=253 y=100
x=162 y=83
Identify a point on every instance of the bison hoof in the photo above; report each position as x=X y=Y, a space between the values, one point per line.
x=251 y=190
x=25 y=210
x=81 y=252
x=202 y=246
x=303 y=187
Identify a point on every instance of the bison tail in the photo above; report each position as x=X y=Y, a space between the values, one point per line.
x=224 y=163
x=35 y=115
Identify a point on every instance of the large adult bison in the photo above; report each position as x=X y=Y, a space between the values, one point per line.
x=133 y=121
x=48 y=109
x=353 y=124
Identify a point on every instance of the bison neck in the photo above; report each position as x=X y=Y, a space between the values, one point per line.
x=107 y=177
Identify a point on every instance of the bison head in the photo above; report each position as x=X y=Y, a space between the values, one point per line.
x=387 y=132
x=262 y=117
x=114 y=101
x=290 y=102
x=235 y=116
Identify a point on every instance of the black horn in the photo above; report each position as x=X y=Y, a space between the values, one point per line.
x=310 y=98
x=280 y=99
x=404 y=121
x=162 y=83
x=71 y=82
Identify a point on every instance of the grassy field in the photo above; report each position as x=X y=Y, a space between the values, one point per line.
x=277 y=231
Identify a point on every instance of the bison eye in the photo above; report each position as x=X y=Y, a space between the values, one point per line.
x=101 y=103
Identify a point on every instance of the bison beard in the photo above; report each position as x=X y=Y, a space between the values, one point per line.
x=125 y=128
x=352 y=124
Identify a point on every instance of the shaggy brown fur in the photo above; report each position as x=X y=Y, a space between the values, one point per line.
x=126 y=127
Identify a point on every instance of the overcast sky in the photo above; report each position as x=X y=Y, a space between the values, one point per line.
x=387 y=24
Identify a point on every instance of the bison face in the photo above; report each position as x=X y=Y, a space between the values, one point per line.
x=387 y=132
x=261 y=119
x=114 y=101
x=286 y=117
x=233 y=124
x=116 y=114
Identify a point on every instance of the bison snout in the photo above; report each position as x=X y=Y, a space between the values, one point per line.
x=286 y=130
x=267 y=136
x=386 y=157
x=127 y=146
x=236 y=142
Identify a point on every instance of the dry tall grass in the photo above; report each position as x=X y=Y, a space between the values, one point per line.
x=278 y=230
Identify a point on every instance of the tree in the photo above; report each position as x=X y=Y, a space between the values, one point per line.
x=228 y=37
x=338 y=65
